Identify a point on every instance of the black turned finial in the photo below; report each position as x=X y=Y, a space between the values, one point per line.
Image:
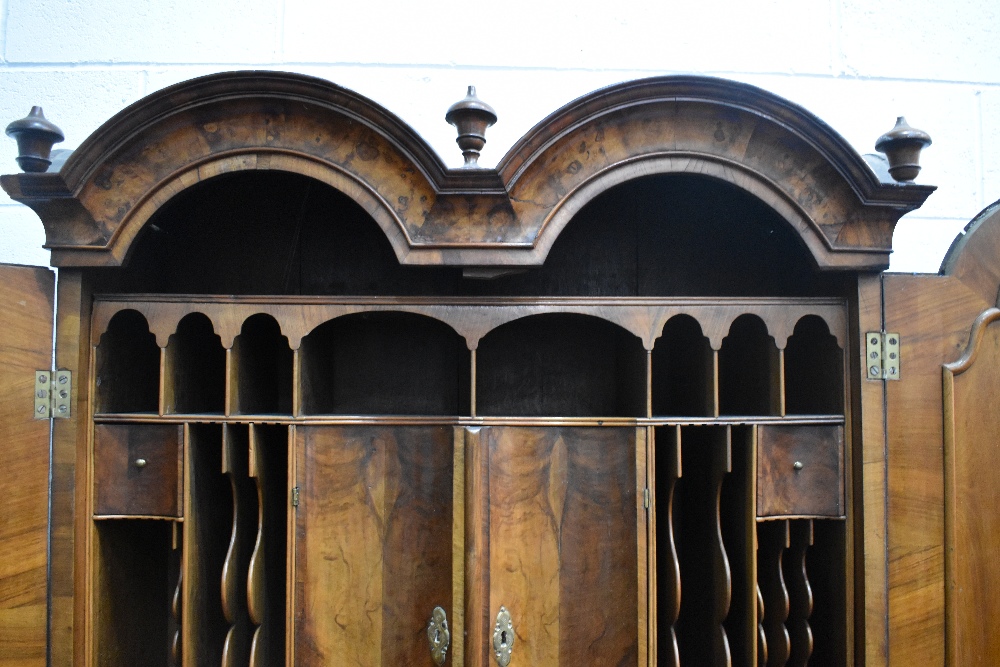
x=471 y=117
x=902 y=145
x=35 y=136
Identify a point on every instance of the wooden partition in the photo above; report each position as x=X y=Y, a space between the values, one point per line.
x=617 y=480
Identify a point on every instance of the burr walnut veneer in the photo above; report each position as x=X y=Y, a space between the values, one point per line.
x=606 y=404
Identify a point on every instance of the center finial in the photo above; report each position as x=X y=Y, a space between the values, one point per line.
x=471 y=117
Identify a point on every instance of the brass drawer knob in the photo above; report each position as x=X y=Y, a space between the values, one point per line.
x=140 y=463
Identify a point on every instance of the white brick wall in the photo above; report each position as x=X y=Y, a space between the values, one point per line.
x=856 y=64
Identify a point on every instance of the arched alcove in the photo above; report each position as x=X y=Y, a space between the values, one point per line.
x=560 y=364
x=384 y=363
x=268 y=232
x=127 y=366
x=673 y=235
x=273 y=232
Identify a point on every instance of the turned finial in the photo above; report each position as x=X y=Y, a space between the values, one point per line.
x=471 y=117
x=35 y=136
x=902 y=145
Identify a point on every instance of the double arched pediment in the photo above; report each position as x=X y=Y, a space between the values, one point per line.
x=94 y=207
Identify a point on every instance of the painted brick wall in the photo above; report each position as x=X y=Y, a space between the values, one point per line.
x=856 y=64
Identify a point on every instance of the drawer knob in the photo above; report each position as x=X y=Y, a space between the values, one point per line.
x=797 y=465
x=140 y=463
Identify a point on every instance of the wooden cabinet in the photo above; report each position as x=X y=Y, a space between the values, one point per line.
x=607 y=404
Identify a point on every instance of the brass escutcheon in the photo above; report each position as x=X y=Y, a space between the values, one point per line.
x=503 y=637
x=438 y=635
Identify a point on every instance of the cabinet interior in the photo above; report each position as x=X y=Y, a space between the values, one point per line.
x=346 y=426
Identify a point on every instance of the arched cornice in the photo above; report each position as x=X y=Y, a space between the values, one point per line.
x=972 y=257
x=735 y=132
x=95 y=205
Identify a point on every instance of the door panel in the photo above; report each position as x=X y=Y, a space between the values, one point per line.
x=373 y=543
x=562 y=540
x=25 y=346
x=932 y=315
x=972 y=497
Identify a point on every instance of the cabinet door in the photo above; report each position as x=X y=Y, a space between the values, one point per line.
x=560 y=541
x=25 y=346
x=944 y=520
x=373 y=543
x=942 y=428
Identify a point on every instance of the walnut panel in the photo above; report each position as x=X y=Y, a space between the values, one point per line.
x=932 y=315
x=972 y=496
x=25 y=346
x=179 y=137
x=136 y=469
x=562 y=534
x=800 y=471
x=373 y=543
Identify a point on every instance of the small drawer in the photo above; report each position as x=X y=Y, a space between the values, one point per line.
x=800 y=471
x=137 y=470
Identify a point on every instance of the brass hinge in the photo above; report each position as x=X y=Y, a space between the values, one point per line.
x=53 y=394
x=882 y=355
x=295 y=496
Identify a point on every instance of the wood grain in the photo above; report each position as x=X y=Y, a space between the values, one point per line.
x=868 y=494
x=800 y=597
x=972 y=522
x=800 y=471
x=265 y=584
x=186 y=134
x=737 y=519
x=645 y=548
x=773 y=540
x=26 y=313
x=374 y=543
x=123 y=486
x=562 y=514
x=668 y=573
x=206 y=541
x=644 y=185
x=235 y=466
x=474 y=317
x=706 y=581
x=478 y=623
x=972 y=257
x=71 y=488
x=456 y=623
x=933 y=316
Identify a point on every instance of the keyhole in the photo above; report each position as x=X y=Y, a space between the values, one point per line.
x=503 y=637
x=437 y=636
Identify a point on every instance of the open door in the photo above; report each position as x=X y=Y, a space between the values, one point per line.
x=26 y=303
x=943 y=453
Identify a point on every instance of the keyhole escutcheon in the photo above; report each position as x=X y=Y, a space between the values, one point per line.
x=503 y=637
